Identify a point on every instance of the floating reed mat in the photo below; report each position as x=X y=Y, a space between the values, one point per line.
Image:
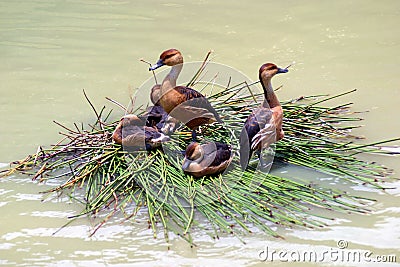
x=109 y=179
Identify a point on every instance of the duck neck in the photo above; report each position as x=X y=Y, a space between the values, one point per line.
x=271 y=100
x=169 y=81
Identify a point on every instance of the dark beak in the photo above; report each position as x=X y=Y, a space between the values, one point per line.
x=185 y=165
x=157 y=65
x=280 y=70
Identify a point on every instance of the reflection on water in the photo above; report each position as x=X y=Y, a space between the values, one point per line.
x=52 y=50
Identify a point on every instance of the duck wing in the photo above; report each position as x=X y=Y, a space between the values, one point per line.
x=216 y=153
x=197 y=100
x=155 y=117
x=254 y=133
x=188 y=92
x=133 y=136
x=222 y=156
x=265 y=137
x=223 y=146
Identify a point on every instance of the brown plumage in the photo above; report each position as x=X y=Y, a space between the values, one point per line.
x=181 y=102
x=155 y=94
x=156 y=115
x=206 y=159
x=264 y=125
x=131 y=132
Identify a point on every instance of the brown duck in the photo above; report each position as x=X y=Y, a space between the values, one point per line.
x=264 y=125
x=132 y=132
x=181 y=102
x=206 y=159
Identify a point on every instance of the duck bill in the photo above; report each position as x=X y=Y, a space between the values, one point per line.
x=281 y=70
x=157 y=65
x=185 y=165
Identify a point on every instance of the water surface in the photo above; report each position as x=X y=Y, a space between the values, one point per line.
x=51 y=50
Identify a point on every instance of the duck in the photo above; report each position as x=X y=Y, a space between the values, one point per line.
x=156 y=116
x=183 y=103
x=210 y=158
x=131 y=132
x=264 y=125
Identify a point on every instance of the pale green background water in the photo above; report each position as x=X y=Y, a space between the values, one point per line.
x=51 y=50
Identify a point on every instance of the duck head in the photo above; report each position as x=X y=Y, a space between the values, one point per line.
x=269 y=70
x=169 y=57
x=130 y=119
x=193 y=153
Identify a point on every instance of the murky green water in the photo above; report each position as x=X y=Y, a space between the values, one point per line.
x=51 y=50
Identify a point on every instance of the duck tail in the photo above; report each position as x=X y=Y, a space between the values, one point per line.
x=217 y=117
